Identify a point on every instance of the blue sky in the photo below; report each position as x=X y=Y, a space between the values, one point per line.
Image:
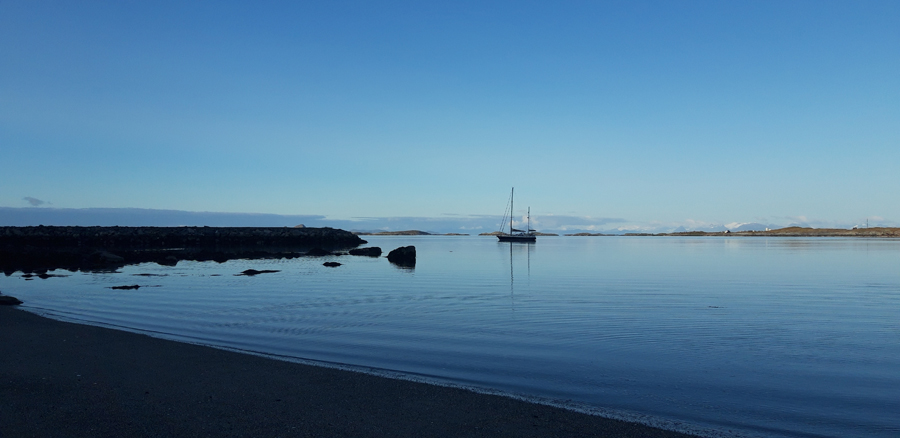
x=633 y=115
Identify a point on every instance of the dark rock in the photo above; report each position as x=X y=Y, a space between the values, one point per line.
x=318 y=252
x=9 y=301
x=252 y=272
x=373 y=251
x=167 y=261
x=132 y=287
x=331 y=264
x=36 y=249
x=6 y=300
x=403 y=256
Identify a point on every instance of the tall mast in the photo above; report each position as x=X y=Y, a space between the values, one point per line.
x=528 y=230
x=512 y=196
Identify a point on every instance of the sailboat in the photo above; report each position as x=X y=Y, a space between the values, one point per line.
x=514 y=235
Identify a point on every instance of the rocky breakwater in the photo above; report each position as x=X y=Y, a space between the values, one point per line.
x=36 y=249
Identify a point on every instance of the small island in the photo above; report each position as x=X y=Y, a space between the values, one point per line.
x=780 y=232
x=404 y=233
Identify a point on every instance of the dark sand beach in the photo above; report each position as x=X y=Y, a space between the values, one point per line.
x=60 y=379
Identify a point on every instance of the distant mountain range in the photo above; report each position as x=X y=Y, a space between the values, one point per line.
x=445 y=224
x=136 y=217
x=719 y=228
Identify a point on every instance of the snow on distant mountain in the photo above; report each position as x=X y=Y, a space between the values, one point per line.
x=710 y=228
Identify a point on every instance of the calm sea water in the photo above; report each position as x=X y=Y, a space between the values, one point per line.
x=725 y=336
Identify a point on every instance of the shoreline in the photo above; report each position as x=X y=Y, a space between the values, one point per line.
x=881 y=232
x=96 y=381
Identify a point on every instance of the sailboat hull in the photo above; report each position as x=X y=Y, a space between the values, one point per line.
x=515 y=238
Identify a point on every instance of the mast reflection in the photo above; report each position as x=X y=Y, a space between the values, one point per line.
x=512 y=277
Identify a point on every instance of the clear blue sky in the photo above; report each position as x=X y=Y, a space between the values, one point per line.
x=653 y=113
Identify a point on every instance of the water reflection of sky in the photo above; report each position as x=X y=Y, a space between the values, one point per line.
x=793 y=335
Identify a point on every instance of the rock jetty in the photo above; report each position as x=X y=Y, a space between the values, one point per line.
x=39 y=249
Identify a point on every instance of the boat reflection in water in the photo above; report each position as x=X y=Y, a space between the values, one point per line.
x=512 y=278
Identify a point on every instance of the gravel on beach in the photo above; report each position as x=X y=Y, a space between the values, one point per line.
x=60 y=379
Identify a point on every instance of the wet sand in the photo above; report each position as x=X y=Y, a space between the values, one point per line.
x=65 y=379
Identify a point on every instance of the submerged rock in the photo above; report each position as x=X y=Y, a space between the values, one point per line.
x=331 y=264
x=403 y=256
x=373 y=251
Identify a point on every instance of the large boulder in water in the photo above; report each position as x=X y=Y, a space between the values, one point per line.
x=373 y=251
x=403 y=256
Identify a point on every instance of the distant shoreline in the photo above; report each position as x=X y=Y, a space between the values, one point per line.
x=405 y=233
x=884 y=232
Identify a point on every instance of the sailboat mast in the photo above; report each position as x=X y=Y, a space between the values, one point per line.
x=515 y=235
x=512 y=196
x=528 y=230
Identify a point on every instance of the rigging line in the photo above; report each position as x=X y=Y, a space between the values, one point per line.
x=507 y=213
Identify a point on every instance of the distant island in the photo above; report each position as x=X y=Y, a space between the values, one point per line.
x=781 y=232
x=803 y=232
x=404 y=233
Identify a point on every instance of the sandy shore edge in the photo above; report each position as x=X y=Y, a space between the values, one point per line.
x=65 y=379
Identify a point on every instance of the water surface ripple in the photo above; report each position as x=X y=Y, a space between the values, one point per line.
x=740 y=336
